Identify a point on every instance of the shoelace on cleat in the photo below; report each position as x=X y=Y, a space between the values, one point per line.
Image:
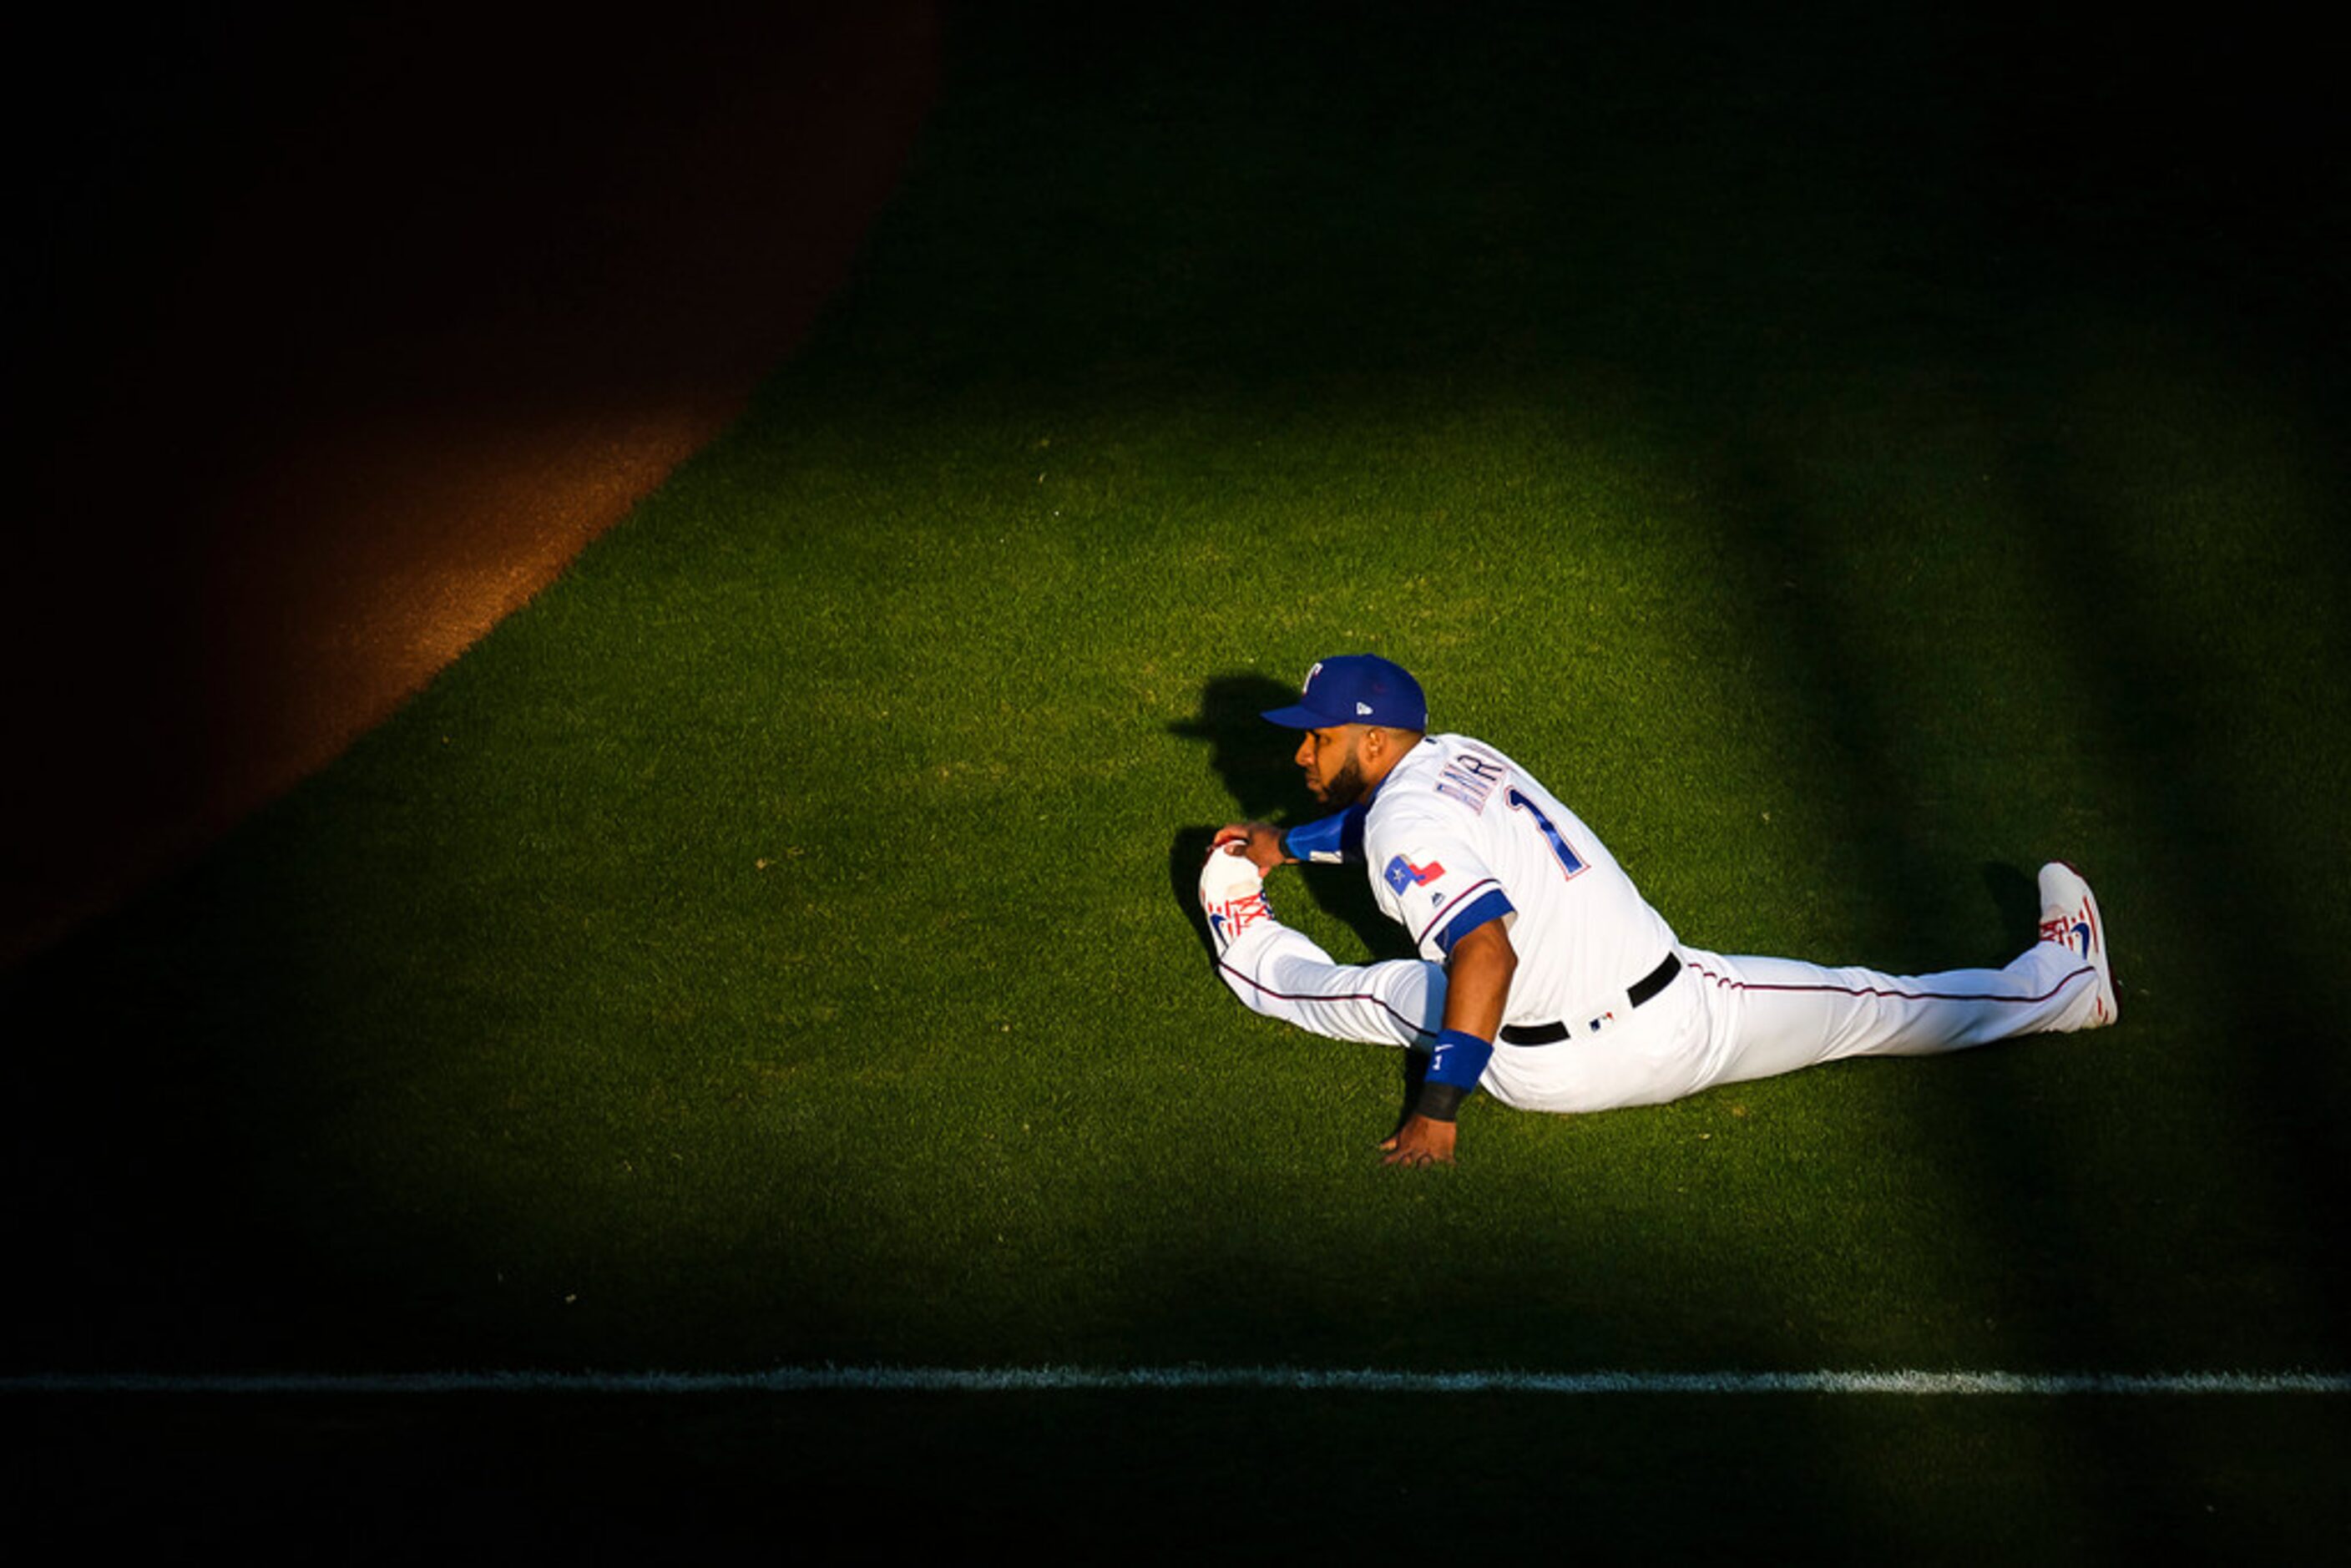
x=2068 y=931
x=1242 y=910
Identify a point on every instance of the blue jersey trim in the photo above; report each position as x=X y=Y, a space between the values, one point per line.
x=1459 y=1059
x=1333 y=841
x=1491 y=904
x=1444 y=916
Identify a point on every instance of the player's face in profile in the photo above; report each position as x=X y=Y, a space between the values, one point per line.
x=1333 y=769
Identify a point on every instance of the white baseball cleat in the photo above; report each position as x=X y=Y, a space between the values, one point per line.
x=1233 y=894
x=2069 y=918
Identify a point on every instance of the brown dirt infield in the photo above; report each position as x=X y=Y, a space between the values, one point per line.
x=442 y=301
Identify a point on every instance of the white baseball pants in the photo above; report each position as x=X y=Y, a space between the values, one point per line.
x=1721 y=1021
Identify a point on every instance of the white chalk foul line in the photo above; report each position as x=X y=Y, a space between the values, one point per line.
x=1072 y=1379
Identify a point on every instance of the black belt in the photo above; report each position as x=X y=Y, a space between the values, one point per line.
x=1639 y=991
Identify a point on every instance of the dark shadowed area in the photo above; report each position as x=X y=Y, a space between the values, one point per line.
x=345 y=330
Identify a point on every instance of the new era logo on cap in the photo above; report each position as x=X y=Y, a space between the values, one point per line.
x=1356 y=689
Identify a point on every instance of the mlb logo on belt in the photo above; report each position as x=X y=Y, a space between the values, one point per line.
x=1400 y=872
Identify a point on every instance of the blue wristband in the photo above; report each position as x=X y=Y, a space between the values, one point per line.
x=1330 y=841
x=1459 y=1059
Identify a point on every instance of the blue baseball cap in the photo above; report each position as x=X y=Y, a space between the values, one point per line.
x=1356 y=689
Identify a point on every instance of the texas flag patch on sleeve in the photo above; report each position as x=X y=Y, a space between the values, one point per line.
x=1441 y=897
x=1402 y=873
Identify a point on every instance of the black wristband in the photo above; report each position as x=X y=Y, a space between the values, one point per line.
x=1440 y=1101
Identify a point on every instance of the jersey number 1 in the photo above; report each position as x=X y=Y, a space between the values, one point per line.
x=1569 y=861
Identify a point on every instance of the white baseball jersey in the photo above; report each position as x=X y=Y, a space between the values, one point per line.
x=1457 y=834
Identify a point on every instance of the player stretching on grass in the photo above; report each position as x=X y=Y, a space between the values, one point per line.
x=1548 y=982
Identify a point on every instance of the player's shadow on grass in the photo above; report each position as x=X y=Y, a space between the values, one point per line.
x=2016 y=893
x=1256 y=761
x=1253 y=757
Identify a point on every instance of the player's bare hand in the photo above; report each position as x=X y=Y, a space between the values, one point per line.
x=1420 y=1142
x=1261 y=842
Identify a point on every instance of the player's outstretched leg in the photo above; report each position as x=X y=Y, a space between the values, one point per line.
x=1770 y=1015
x=1281 y=973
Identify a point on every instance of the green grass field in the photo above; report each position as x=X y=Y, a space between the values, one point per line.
x=1848 y=470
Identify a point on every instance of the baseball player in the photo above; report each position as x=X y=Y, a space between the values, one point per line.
x=1545 y=979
